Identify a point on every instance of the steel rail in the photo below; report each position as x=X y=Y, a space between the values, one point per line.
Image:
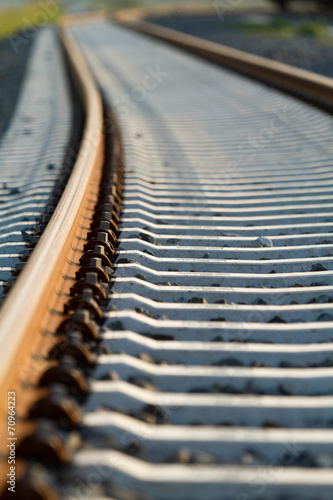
x=28 y=302
x=303 y=83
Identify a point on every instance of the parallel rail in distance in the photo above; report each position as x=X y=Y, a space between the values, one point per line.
x=303 y=83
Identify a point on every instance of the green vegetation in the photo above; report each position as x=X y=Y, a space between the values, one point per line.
x=311 y=29
x=273 y=27
x=27 y=16
x=280 y=27
x=122 y=4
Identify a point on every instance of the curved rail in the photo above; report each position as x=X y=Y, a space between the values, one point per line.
x=19 y=330
x=306 y=84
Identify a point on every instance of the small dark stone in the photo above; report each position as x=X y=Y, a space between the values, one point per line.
x=141 y=382
x=127 y=261
x=304 y=459
x=113 y=375
x=117 y=325
x=103 y=349
x=230 y=362
x=270 y=424
x=323 y=299
x=157 y=413
x=132 y=448
x=197 y=300
x=328 y=362
x=140 y=277
x=26 y=236
x=146 y=237
x=296 y=285
x=259 y=302
x=318 y=267
x=148 y=252
x=277 y=319
x=159 y=336
x=325 y=317
x=283 y=390
x=140 y=310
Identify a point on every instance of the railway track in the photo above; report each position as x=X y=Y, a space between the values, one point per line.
x=34 y=154
x=175 y=330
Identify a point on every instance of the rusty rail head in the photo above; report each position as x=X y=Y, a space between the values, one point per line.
x=23 y=311
x=305 y=84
